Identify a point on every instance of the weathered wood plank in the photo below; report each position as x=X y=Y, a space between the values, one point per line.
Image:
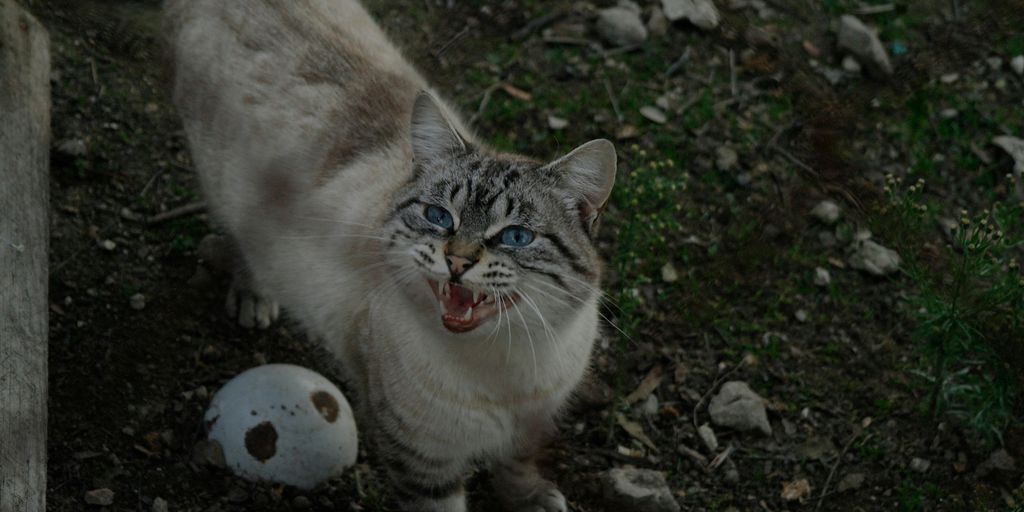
x=24 y=228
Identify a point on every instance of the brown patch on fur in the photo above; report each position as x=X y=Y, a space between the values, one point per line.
x=326 y=404
x=261 y=441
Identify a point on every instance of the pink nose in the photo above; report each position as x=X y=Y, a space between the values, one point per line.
x=458 y=265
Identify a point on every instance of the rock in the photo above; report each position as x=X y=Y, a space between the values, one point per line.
x=639 y=490
x=995 y=63
x=626 y=131
x=822 y=277
x=100 y=497
x=702 y=13
x=108 y=245
x=621 y=26
x=949 y=78
x=653 y=114
x=874 y=258
x=707 y=435
x=725 y=158
x=657 y=23
x=920 y=465
x=817 y=448
x=137 y=302
x=797 y=490
x=208 y=453
x=800 y=315
x=1013 y=146
x=301 y=503
x=832 y=75
x=159 y=505
x=863 y=43
x=761 y=37
x=72 y=147
x=826 y=211
x=948 y=113
x=668 y=273
x=650 y=406
x=737 y=406
x=850 y=65
x=851 y=482
x=1017 y=64
x=1000 y=460
x=557 y=123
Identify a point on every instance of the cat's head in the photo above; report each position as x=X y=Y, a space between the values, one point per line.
x=495 y=235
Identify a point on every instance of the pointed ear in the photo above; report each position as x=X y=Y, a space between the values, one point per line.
x=589 y=172
x=433 y=136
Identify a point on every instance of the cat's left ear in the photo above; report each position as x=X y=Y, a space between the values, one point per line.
x=433 y=135
x=589 y=173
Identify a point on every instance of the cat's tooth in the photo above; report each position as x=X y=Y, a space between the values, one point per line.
x=445 y=289
x=468 y=316
x=476 y=296
x=440 y=288
x=444 y=310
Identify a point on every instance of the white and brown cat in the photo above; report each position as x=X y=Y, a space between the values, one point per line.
x=457 y=285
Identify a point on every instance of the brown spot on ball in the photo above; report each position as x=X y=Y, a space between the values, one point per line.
x=261 y=441
x=326 y=404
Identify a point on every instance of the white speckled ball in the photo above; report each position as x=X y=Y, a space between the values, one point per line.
x=285 y=424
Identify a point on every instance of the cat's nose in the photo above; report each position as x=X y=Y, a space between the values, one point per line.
x=458 y=265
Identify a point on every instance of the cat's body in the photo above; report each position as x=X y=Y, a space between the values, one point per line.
x=304 y=123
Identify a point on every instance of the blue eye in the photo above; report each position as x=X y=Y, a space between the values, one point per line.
x=516 y=236
x=439 y=216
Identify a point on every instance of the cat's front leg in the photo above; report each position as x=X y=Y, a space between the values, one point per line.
x=243 y=302
x=421 y=482
x=519 y=485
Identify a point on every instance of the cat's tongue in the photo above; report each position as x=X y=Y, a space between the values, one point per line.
x=459 y=301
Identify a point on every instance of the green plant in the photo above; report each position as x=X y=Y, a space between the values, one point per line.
x=966 y=302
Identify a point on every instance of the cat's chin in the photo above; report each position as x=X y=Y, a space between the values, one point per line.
x=464 y=309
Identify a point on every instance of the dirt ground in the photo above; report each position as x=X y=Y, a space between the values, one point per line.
x=129 y=382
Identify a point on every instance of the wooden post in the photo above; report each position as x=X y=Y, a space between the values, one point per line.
x=24 y=236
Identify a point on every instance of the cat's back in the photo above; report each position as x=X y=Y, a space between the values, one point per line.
x=316 y=80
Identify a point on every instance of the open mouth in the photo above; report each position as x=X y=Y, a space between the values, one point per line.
x=464 y=309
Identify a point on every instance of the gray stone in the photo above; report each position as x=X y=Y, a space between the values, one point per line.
x=822 y=277
x=856 y=38
x=621 y=26
x=702 y=13
x=707 y=435
x=159 y=505
x=826 y=211
x=873 y=258
x=1000 y=460
x=850 y=65
x=639 y=490
x=657 y=23
x=920 y=465
x=851 y=482
x=737 y=406
x=1017 y=64
x=653 y=114
x=557 y=123
x=725 y=158
x=669 y=273
x=100 y=497
x=72 y=147
x=137 y=302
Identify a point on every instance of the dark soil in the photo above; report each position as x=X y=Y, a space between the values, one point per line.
x=128 y=387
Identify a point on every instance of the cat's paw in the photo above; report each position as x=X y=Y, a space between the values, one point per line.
x=249 y=308
x=548 y=500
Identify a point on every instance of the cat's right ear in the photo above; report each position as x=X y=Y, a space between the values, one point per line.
x=433 y=136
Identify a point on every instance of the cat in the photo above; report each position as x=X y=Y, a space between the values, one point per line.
x=458 y=286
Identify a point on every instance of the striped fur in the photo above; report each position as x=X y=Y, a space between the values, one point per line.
x=318 y=152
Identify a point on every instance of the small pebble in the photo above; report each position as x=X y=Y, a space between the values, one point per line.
x=800 y=315
x=949 y=78
x=1017 y=64
x=653 y=114
x=995 y=63
x=557 y=123
x=650 y=407
x=826 y=211
x=726 y=158
x=108 y=245
x=822 y=277
x=159 y=505
x=948 y=113
x=137 y=302
x=668 y=273
x=920 y=465
x=708 y=437
x=101 y=497
x=850 y=65
x=301 y=502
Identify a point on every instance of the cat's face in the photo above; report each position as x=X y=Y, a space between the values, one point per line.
x=500 y=237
